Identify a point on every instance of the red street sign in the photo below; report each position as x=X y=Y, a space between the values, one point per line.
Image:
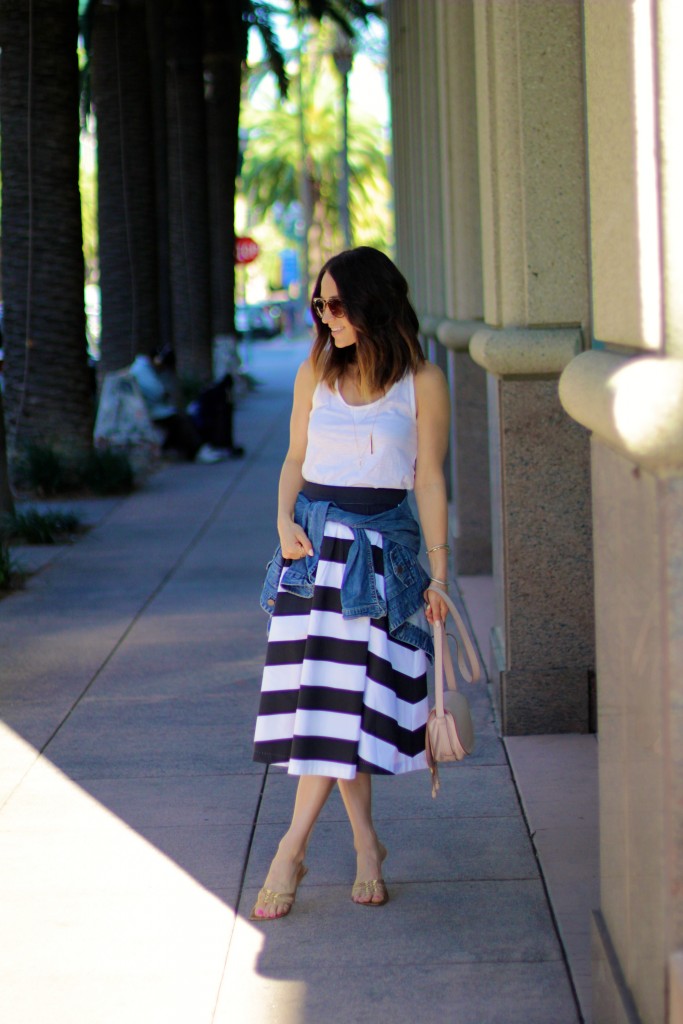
x=246 y=250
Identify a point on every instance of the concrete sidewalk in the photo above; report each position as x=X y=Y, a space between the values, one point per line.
x=135 y=830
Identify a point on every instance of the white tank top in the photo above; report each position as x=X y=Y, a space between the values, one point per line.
x=372 y=445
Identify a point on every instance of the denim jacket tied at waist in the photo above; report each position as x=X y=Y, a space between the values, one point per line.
x=404 y=578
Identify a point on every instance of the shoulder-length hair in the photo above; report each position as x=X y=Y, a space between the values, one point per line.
x=374 y=294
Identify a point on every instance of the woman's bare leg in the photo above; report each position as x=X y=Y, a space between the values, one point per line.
x=284 y=874
x=357 y=796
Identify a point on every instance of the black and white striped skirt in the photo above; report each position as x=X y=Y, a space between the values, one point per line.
x=339 y=695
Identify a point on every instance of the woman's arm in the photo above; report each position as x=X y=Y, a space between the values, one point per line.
x=433 y=419
x=293 y=540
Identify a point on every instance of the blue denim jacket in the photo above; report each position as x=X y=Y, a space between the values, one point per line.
x=405 y=581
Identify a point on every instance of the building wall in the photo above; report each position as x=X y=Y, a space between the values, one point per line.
x=436 y=176
x=628 y=391
x=559 y=124
x=489 y=99
x=529 y=91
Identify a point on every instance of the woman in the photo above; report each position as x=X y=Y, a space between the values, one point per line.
x=344 y=693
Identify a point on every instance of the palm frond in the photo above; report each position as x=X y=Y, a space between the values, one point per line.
x=85 y=20
x=343 y=12
x=260 y=15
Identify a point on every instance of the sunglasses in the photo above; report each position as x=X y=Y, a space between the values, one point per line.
x=335 y=306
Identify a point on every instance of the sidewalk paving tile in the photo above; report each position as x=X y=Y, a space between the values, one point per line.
x=483 y=848
x=474 y=993
x=423 y=923
x=135 y=830
x=197 y=801
x=466 y=791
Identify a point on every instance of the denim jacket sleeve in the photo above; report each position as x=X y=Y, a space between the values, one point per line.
x=404 y=578
x=270 y=584
x=405 y=582
x=300 y=578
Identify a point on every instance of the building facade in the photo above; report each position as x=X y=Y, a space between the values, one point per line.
x=538 y=165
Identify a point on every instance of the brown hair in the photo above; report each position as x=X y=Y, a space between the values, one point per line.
x=374 y=294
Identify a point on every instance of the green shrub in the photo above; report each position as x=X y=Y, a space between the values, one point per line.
x=10 y=574
x=43 y=469
x=104 y=472
x=46 y=471
x=34 y=527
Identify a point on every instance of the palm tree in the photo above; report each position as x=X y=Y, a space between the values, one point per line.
x=227 y=24
x=120 y=74
x=271 y=169
x=134 y=238
x=156 y=38
x=188 y=209
x=146 y=77
x=47 y=384
x=47 y=378
x=6 y=499
x=225 y=53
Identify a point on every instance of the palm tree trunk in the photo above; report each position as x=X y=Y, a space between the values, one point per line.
x=48 y=395
x=6 y=499
x=188 y=199
x=226 y=51
x=156 y=37
x=127 y=202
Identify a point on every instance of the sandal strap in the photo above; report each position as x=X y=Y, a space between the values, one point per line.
x=267 y=896
x=371 y=888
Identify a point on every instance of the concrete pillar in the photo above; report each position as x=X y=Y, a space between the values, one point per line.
x=631 y=399
x=462 y=273
x=431 y=299
x=635 y=410
x=470 y=507
x=401 y=21
x=417 y=171
x=529 y=71
x=437 y=195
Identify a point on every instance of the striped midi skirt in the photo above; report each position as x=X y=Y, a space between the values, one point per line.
x=339 y=696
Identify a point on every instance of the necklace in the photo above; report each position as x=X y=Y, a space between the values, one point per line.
x=368 y=445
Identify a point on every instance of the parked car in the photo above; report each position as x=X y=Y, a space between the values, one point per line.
x=262 y=320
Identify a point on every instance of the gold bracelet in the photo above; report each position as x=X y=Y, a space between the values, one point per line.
x=442 y=583
x=438 y=547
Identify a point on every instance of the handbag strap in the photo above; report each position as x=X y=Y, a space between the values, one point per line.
x=470 y=668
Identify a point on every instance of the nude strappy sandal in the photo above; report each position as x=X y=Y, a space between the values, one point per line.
x=375 y=887
x=268 y=897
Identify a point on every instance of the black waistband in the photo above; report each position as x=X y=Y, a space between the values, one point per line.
x=367 y=501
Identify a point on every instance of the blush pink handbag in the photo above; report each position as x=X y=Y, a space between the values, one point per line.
x=450 y=733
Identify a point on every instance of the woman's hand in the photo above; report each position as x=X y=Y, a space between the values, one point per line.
x=293 y=540
x=436 y=608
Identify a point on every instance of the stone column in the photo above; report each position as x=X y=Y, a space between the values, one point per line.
x=634 y=408
x=415 y=114
x=470 y=519
x=470 y=507
x=630 y=396
x=401 y=20
x=529 y=71
x=436 y=112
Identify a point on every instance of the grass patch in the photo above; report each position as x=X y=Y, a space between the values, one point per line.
x=31 y=526
x=44 y=470
x=105 y=472
x=47 y=472
x=11 y=576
